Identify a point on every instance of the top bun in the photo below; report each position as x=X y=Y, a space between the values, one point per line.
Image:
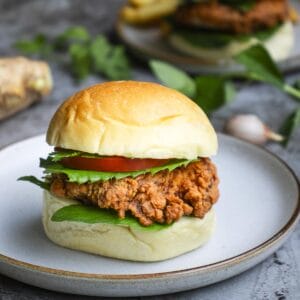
x=133 y=119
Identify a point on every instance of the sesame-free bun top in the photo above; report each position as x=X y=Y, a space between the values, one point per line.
x=133 y=119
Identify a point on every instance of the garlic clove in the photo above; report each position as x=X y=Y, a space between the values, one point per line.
x=273 y=135
x=251 y=128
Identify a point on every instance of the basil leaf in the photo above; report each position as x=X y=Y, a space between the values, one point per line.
x=83 y=176
x=290 y=125
x=34 y=180
x=173 y=77
x=213 y=92
x=260 y=65
x=93 y=215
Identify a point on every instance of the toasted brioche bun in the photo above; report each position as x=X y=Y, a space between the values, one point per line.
x=133 y=119
x=279 y=46
x=123 y=242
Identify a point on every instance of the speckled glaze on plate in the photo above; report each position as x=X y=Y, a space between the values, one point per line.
x=257 y=211
x=147 y=43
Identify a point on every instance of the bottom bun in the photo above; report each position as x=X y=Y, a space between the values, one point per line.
x=279 y=45
x=123 y=242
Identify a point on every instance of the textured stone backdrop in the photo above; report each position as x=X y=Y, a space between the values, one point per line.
x=278 y=276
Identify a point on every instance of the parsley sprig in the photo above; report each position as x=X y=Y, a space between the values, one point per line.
x=84 y=54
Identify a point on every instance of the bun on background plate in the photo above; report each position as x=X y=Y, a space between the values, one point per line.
x=216 y=31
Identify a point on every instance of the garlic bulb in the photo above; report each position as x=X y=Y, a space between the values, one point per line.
x=251 y=129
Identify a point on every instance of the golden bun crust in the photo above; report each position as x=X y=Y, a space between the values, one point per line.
x=126 y=243
x=133 y=119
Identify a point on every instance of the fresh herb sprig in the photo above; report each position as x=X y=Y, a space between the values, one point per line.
x=209 y=92
x=213 y=91
x=84 y=54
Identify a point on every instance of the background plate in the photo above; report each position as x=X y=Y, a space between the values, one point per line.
x=147 y=43
x=257 y=210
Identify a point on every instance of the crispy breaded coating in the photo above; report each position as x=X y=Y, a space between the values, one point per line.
x=163 y=197
x=214 y=15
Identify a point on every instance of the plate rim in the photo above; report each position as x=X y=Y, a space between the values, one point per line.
x=229 y=262
x=181 y=60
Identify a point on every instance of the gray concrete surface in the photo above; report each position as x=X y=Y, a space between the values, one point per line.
x=275 y=278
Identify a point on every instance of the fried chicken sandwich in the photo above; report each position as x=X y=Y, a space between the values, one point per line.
x=130 y=175
x=216 y=30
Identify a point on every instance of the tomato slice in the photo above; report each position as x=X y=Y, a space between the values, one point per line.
x=112 y=163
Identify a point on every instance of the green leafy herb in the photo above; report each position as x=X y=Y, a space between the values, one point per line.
x=213 y=92
x=34 y=180
x=93 y=215
x=260 y=65
x=76 y=34
x=209 y=92
x=296 y=84
x=85 y=54
x=229 y=92
x=80 y=61
x=290 y=125
x=173 y=77
x=294 y=92
x=83 y=176
x=37 y=46
x=109 y=60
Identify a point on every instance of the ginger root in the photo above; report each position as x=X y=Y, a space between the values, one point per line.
x=22 y=82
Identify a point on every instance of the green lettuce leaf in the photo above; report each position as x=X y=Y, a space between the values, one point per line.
x=83 y=176
x=93 y=215
x=59 y=155
x=242 y=5
x=36 y=181
x=216 y=39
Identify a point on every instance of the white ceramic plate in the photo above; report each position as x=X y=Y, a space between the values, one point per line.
x=257 y=210
x=147 y=43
